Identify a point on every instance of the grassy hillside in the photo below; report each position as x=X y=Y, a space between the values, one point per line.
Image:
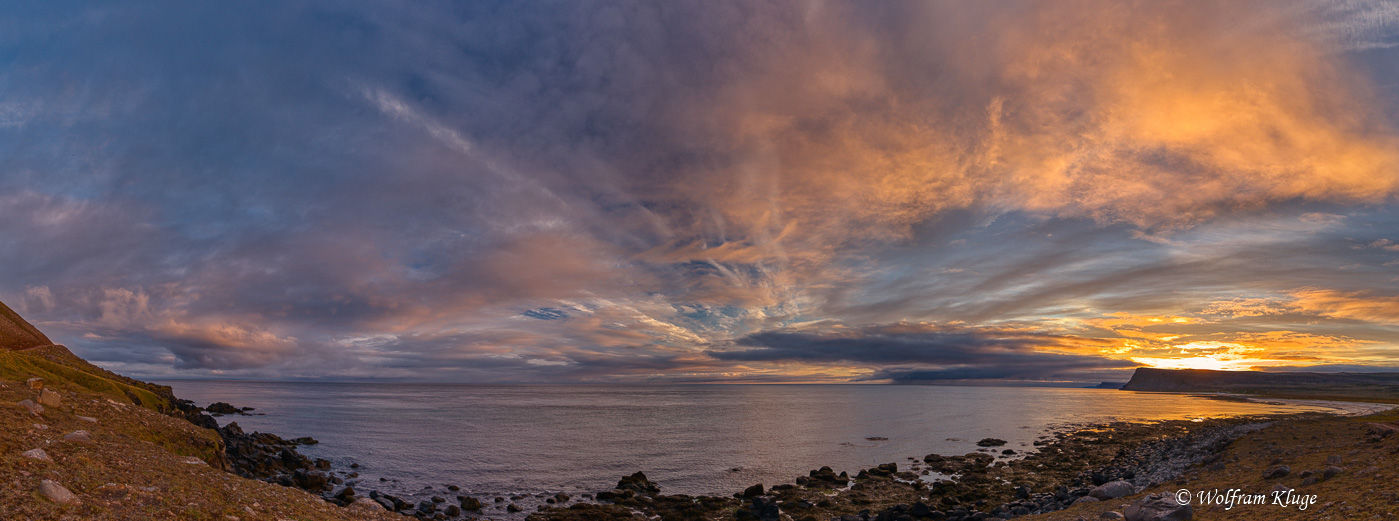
x=1372 y=387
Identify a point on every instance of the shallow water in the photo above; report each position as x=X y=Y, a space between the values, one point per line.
x=507 y=439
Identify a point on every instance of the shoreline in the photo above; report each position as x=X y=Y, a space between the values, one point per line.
x=1049 y=480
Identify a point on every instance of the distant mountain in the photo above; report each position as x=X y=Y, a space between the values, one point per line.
x=1108 y=385
x=16 y=333
x=1379 y=386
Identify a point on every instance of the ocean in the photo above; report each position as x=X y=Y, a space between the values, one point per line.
x=504 y=440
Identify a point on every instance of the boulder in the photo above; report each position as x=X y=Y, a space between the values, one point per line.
x=1112 y=490
x=1277 y=472
x=469 y=503
x=56 y=492
x=37 y=454
x=34 y=383
x=452 y=511
x=365 y=503
x=49 y=398
x=639 y=484
x=1330 y=472
x=33 y=408
x=753 y=491
x=1158 y=507
x=88 y=419
x=221 y=408
x=78 y=437
x=991 y=442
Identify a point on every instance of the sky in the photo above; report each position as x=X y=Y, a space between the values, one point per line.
x=703 y=191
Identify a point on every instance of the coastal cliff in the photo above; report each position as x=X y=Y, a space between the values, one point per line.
x=80 y=442
x=1376 y=386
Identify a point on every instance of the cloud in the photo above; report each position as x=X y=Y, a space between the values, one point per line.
x=945 y=354
x=615 y=189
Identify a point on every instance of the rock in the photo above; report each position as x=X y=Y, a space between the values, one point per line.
x=49 y=398
x=469 y=503
x=365 y=503
x=1158 y=507
x=1330 y=472
x=37 y=454
x=1381 y=430
x=88 y=419
x=452 y=511
x=191 y=460
x=34 y=408
x=991 y=442
x=512 y=508
x=1086 y=499
x=221 y=408
x=1109 y=515
x=305 y=440
x=1333 y=460
x=753 y=491
x=1310 y=480
x=1008 y=452
x=1112 y=490
x=561 y=497
x=639 y=484
x=453 y=488
x=56 y=492
x=1277 y=472
x=78 y=437
x=346 y=495
x=1022 y=492
x=34 y=383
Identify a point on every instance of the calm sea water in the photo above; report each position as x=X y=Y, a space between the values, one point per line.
x=499 y=440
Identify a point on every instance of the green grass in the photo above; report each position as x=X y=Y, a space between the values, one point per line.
x=23 y=365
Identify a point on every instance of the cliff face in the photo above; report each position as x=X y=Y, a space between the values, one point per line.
x=1376 y=385
x=16 y=333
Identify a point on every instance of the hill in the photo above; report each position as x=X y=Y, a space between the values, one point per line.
x=16 y=333
x=1341 y=386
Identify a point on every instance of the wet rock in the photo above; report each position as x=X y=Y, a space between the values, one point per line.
x=469 y=503
x=991 y=442
x=56 y=492
x=222 y=408
x=512 y=508
x=561 y=497
x=37 y=454
x=346 y=495
x=307 y=440
x=1158 y=507
x=639 y=484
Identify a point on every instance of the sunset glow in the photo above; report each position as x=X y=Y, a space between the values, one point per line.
x=706 y=192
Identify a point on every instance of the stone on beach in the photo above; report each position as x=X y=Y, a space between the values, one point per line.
x=991 y=442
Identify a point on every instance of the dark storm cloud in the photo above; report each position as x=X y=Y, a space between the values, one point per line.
x=912 y=352
x=305 y=189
